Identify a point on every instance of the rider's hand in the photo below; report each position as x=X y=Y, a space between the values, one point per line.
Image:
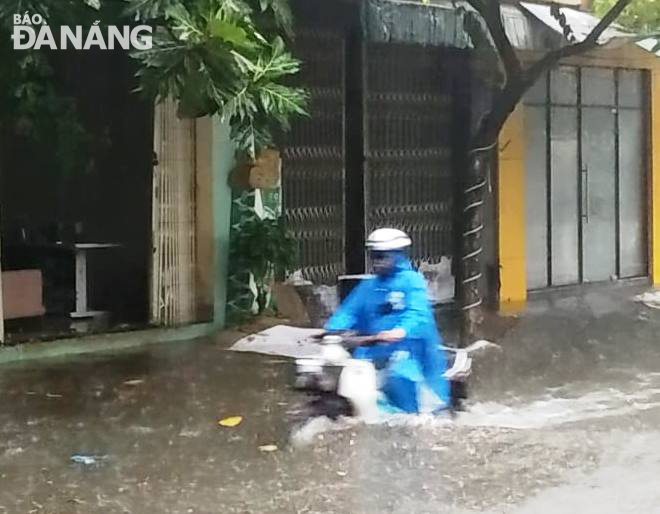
x=392 y=336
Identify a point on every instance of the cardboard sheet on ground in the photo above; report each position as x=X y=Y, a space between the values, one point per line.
x=281 y=340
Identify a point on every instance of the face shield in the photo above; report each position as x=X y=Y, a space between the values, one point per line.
x=382 y=262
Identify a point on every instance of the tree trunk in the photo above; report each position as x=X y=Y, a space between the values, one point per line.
x=474 y=189
x=479 y=164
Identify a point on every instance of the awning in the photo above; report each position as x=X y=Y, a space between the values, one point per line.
x=451 y=24
x=583 y=23
x=438 y=24
x=650 y=44
x=529 y=26
x=580 y=22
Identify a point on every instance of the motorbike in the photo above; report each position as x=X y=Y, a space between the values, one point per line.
x=338 y=385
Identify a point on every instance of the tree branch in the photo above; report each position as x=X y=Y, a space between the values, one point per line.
x=491 y=12
x=490 y=126
x=589 y=43
x=513 y=91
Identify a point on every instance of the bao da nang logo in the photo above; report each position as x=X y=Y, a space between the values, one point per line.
x=33 y=32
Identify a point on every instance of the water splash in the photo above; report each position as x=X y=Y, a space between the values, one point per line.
x=556 y=407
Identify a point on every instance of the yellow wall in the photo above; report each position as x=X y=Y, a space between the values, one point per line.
x=511 y=205
x=654 y=208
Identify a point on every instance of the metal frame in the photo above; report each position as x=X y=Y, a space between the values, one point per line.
x=548 y=104
x=580 y=195
x=617 y=178
x=548 y=176
x=645 y=109
x=648 y=165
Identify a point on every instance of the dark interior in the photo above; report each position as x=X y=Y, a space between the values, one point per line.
x=45 y=211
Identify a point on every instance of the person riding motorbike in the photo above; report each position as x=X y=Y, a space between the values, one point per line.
x=394 y=306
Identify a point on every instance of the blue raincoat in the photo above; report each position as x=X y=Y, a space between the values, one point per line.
x=413 y=368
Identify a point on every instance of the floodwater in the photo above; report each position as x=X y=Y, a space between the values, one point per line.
x=564 y=419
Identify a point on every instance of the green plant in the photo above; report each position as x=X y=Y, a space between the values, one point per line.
x=223 y=57
x=266 y=249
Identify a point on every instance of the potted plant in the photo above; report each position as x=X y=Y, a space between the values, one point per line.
x=267 y=250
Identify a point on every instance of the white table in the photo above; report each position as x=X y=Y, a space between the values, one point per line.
x=81 y=250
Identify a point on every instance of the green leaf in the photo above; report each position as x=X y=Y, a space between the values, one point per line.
x=245 y=65
x=278 y=46
x=212 y=56
x=229 y=32
x=284 y=100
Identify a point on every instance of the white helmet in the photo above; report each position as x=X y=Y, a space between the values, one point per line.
x=385 y=239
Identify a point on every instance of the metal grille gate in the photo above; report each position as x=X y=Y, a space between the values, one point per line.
x=313 y=159
x=404 y=133
x=408 y=169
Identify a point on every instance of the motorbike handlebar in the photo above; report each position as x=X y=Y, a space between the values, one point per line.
x=350 y=339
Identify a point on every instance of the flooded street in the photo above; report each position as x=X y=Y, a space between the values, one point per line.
x=565 y=419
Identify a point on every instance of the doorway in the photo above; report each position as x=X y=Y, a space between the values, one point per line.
x=586 y=177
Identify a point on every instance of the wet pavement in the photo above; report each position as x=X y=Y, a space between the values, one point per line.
x=565 y=419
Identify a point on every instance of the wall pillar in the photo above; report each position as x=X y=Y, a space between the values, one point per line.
x=511 y=214
x=654 y=179
x=223 y=162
